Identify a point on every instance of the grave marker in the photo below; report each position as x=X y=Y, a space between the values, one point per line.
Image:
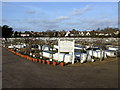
x=66 y=46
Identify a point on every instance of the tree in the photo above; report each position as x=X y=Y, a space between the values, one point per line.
x=16 y=34
x=98 y=29
x=7 y=31
x=0 y=31
x=50 y=33
x=93 y=33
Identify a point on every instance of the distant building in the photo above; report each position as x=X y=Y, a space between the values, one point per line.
x=117 y=32
x=88 y=34
x=24 y=35
x=67 y=34
x=82 y=33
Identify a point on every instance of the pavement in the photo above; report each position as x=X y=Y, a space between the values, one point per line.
x=18 y=72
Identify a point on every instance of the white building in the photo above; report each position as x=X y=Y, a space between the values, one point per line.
x=24 y=35
x=88 y=34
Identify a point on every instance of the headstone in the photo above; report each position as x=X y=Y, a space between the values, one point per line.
x=66 y=46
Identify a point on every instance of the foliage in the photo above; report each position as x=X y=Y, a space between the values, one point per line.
x=7 y=31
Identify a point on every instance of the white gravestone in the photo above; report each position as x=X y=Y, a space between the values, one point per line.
x=66 y=46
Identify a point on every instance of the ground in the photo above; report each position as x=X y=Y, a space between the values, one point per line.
x=21 y=73
x=0 y=67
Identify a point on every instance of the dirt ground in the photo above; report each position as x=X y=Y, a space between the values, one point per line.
x=0 y=67
x=21 y=73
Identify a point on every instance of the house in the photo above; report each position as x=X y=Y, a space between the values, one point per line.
x=24 y=35
x=88 y=34
x=117 y=32
x=67 y=34
x=106 y=34
x=100 y=34
x=72 y=34
x=81 y=33
x=84 y=33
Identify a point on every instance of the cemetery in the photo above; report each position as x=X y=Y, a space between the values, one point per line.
x=59 y=52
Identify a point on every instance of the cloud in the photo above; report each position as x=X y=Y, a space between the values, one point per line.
x=41 y=24
x=92 y=23
x=12 y=22
x=55 y=20
x=73 y=23
x=62 y=18
x=4 y=20
x=100 y=23
x=22 y=29
x=37 y=24
x=81 y=10
x=45 y=22
x=51 y=26
x=30 y=12
x=48 y=21
x=34 y=9
x=104 y=22
x=33 y=21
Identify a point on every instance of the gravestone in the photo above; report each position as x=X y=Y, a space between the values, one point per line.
x=65 y=45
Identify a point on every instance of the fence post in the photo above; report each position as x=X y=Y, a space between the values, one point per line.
x=100 y=54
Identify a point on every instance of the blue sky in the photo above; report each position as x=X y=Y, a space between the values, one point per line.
x=42 y=16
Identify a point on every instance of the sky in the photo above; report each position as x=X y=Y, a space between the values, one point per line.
x=43 y=16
